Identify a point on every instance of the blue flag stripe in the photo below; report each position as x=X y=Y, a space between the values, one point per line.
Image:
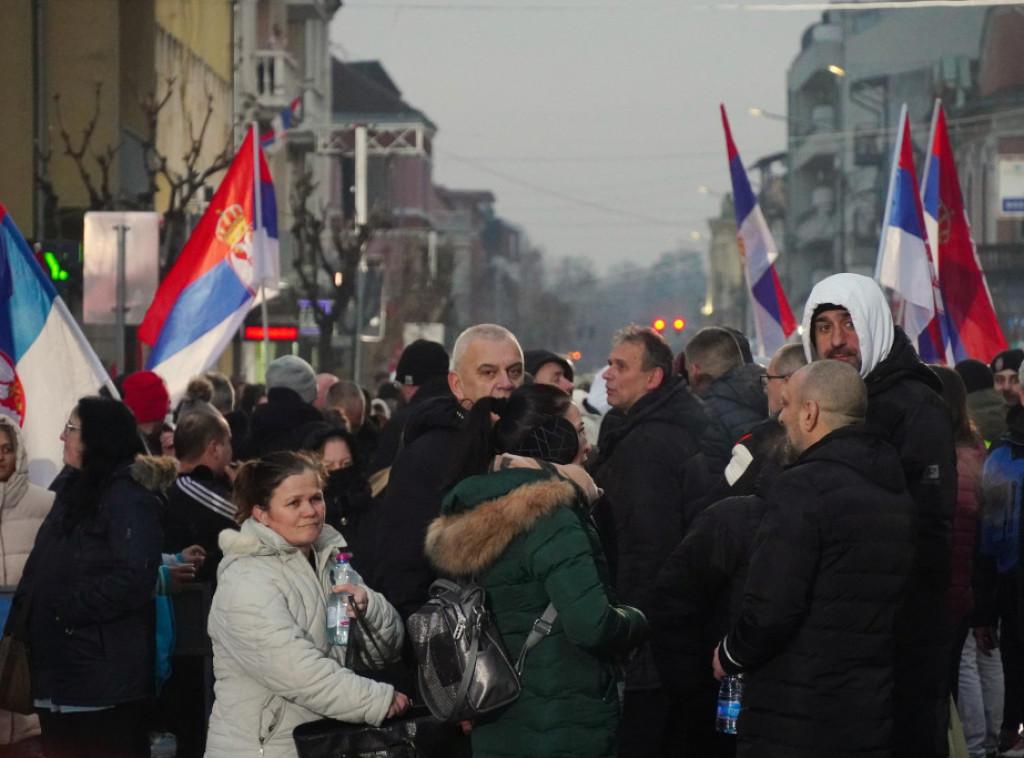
x=200 y=307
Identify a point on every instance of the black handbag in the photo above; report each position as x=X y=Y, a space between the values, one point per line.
x=416 y=734
x=15 y=665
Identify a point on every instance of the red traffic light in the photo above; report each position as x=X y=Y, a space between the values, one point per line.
x=679 y=324
x=659 y=324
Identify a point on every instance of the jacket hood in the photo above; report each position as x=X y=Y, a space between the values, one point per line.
x=484 y=513
x=441 y=411
x=15 y=487
x=154 y=472
x=741 y=385
x=900 y=365
x=856 y=447
x=872 y=318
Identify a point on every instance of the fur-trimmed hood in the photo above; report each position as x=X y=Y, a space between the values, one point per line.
x=484 y=513
x=154 y=472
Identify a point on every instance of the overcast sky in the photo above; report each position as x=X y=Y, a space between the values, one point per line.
x=593 y=122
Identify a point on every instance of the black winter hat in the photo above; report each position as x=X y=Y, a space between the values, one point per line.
x=420 y=362
x=1008 y=359
x=976 y=375
x=534 y=359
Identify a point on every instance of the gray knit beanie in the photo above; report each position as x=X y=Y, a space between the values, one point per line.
x=294 y=373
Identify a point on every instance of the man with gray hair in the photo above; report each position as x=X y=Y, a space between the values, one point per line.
x=830 y=563
x=486 y=361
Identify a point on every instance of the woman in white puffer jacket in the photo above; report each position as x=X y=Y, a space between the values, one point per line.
x=23 y=507
x=273 y=665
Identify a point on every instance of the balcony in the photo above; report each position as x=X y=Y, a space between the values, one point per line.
x=276 y=79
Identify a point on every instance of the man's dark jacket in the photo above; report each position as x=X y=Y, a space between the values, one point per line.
x=398 y=527
x=826 y=581
x=392 y=437
x=653 y=474
x=736 y=400
x=905 y=405
x=199 y=508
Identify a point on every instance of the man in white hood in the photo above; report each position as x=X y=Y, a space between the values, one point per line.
x=847 y=318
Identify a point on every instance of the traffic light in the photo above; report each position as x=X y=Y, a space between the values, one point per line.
x=660 y=324
x=62 y=262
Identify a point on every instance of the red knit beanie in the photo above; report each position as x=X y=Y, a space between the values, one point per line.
x=144 y=392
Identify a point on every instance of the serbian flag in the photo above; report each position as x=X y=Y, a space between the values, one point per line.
x=904 y=262
x=231 y=255
x=280 y=124
x=773 y=320
x=46 y=364
x=971 y=325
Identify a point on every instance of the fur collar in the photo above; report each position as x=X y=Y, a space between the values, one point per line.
x=464 y=544
x=154 y=472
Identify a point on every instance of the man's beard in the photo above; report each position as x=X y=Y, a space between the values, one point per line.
x=846 y=355
x=786 y=453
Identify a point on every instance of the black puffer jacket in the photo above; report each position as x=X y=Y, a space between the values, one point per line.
x=653 y=474
x=815 y=633
x=905 y=405
x=737 y=400
x=397 y=527
x=700 y=589
x=92 y=624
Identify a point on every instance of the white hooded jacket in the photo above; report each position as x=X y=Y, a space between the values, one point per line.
x=274 y=668
x=872 y=317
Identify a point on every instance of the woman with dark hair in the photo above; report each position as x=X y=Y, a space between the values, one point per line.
x=90 y=581
x=347 y=497
x=274 y=666
x=518 y=523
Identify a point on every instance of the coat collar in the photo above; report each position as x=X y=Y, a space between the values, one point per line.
x=485 y=513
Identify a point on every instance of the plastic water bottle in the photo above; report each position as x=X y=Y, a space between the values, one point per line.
x=730 y=698
x=337 y=618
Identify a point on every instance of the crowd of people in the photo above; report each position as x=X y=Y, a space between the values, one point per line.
x=840 y=529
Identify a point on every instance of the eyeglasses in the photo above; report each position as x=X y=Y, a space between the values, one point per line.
x=765 y=378
x=69 y=427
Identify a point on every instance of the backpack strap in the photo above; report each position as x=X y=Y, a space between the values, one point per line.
x=467 y=675
x=541 y=629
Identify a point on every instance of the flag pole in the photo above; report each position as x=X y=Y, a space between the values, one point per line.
x=261 y=255
x=892 y=186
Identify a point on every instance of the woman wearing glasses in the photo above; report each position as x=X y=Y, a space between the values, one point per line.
x=89 y=586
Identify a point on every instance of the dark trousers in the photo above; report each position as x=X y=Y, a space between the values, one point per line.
x=1011 y=647
x=650 y=726
x=118 y=732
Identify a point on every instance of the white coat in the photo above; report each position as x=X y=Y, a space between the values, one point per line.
x=274 y=668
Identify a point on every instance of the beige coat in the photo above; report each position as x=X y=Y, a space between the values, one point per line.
x=23 y=506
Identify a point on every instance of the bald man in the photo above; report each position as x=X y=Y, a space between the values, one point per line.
x=815 y=635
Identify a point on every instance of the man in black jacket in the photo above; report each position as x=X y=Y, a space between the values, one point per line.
x=847 y=318
x=486 y=361
x=653 y=473
x=830 y=564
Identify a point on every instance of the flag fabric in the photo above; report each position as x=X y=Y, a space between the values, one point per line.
x=46 y=363
x=232 y=253
x=970 y=319
x=904 y=260
x=280 y=124
x=773 y=320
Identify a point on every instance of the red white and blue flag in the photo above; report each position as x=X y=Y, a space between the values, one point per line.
x=232 y=253
x=280 y=125
x=970 y=324
x=904 y=262
x=46 y=364
x=773 y=320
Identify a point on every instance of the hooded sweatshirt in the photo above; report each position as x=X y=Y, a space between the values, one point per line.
x=23 y=506
x=905 y=406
